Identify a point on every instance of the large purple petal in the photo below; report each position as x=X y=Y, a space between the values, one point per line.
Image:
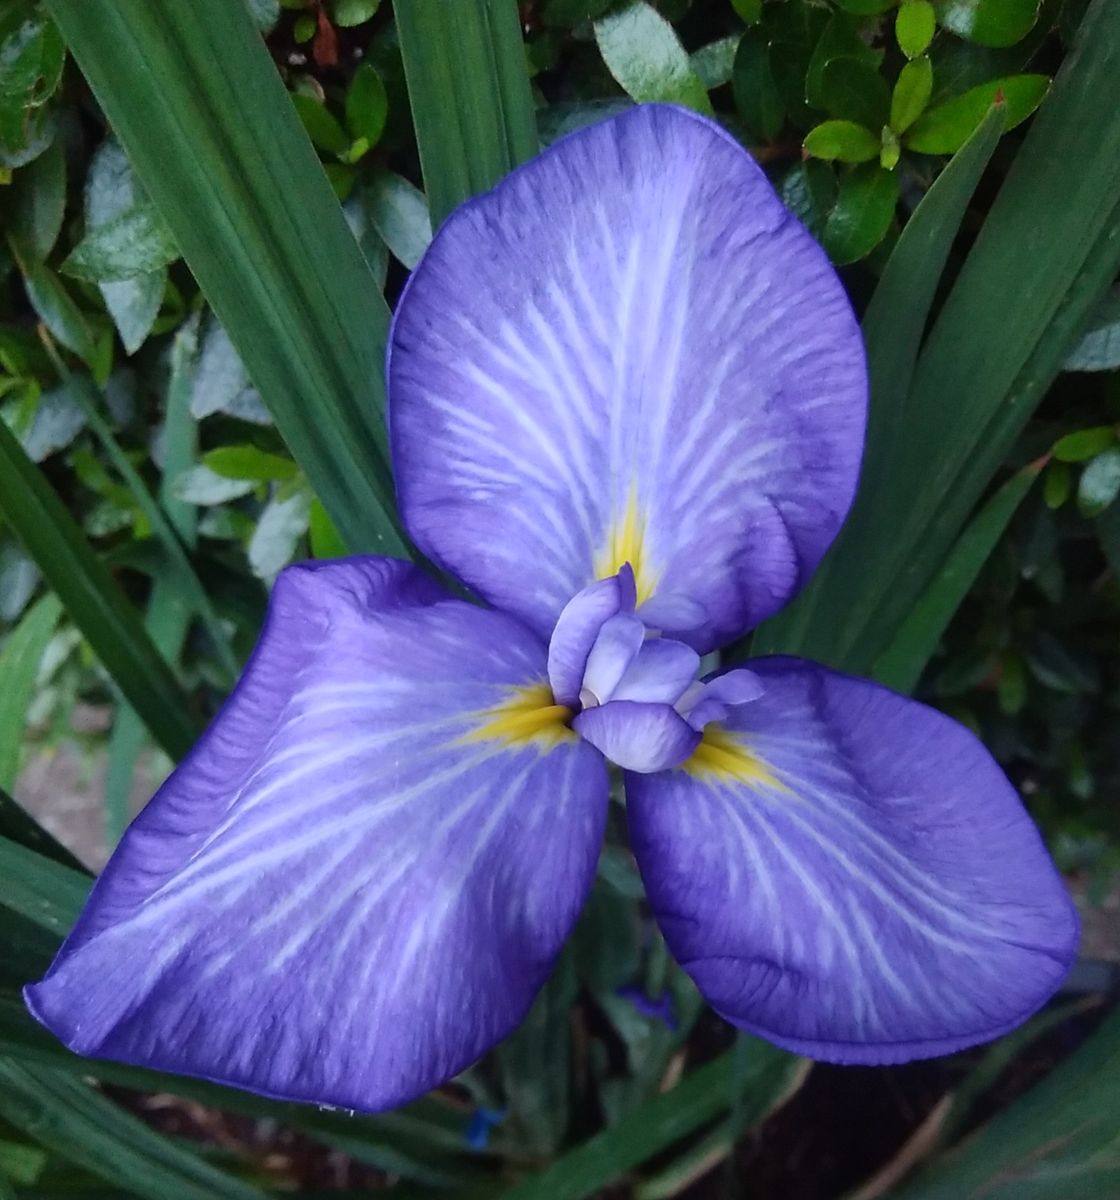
x=628 y=351
x=359 y=878
x=849 y=874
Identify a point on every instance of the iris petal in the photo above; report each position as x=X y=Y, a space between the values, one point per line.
x=638 y=737
x=359 y=878
x=849 y=874
x=579 y=626
x=629 y=351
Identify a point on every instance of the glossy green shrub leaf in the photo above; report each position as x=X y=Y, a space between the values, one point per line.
x=855 y=91
x=250 y=462
x=347 y=13
x=39 y=200
x=795 y=31
x=809 y=189
x=203 y=486
x=839 y=41
x=863 y=213
x=136 y=242
x=911 y=94
x=324 y=538
x=112 y=190
x=323 y=129
x=367 y=105
x=645 y=56
x=1099 y=484
x=20 y=655
x=399 y=213
x=265 y=13
x=749 y=11
x=31 y=55
x=715 y=62
x=989 y=22
x=220 y=381
x=1099 y=348
x=1057 y=484
x=58 y=310
x=842 y=141
x=1084 y=444
x=944 y=128
x=914 y=27
x=280 y=528
x=757 y=98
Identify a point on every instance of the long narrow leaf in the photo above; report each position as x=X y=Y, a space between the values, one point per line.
x=72 y=1120
x=40 y=889
x=20 y=827
x=200 y=109
x=469 y=89
x=1056 y=1143
x=423 y=1142
x=92 y=598
x=901 y=664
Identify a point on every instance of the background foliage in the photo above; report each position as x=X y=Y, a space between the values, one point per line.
x=175 y=431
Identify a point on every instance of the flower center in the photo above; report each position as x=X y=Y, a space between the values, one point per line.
x=637 y=695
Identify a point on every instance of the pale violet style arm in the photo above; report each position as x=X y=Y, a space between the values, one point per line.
x=627 y=402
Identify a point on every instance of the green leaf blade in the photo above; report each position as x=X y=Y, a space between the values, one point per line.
x=944 y=128
x=643 y=53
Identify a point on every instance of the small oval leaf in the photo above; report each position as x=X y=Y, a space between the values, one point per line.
x=842 y=141
x=944 y=128
x=914 y=26
x=863 y=213
x=911 y=93
x=989 y=22
x=647 y=60
x=1099 y=484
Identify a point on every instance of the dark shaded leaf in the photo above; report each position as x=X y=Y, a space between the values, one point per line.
x=756 y=93
x=863 y=213
x=989 y=22
x=855 y=91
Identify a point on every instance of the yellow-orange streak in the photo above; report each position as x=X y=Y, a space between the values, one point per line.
x=626 y=543
x=720 y=756
x=528 y=718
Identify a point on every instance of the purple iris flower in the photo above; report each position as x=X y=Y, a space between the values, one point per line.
x=627 y=400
